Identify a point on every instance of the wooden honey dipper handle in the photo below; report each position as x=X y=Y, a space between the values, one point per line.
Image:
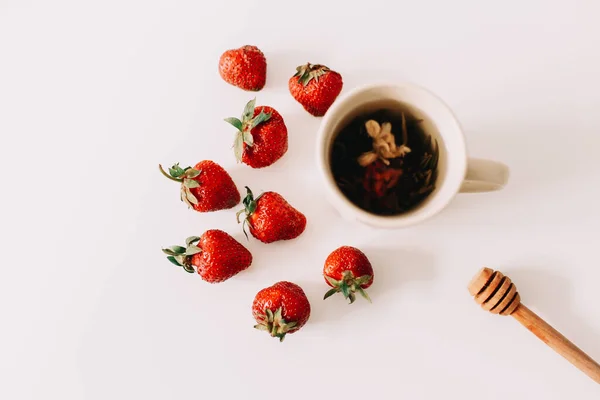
x=496 y=293
x=557 y=341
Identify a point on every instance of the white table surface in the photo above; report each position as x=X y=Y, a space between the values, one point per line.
x=94 y=94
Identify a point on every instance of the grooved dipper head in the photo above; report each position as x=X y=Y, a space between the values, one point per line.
x=494 y=292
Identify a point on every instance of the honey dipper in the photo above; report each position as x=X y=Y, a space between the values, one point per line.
x=497 y=294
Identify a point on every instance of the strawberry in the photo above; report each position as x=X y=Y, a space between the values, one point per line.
x=271 y=218
x=206 y=187
x=316 y=87
x=244 y=67
x=348 y=270
x=281 y=309
x=217 y=256
x=262 y=136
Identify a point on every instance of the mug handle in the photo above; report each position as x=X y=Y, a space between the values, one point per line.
x=484 y=176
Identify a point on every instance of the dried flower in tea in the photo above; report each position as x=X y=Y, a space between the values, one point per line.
x=384 y=143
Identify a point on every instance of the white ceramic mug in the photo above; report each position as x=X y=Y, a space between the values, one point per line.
x=456 y=172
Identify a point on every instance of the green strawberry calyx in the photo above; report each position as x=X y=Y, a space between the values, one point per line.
x=250 y=204
x=185 y=176
x=348 y=286
x=182 y=256
x=308 y=72
x=275 y=324
x=244 y=126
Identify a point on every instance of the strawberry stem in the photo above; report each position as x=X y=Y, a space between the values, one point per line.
x=182 y=256
x=162 y=171
x=244 y=127
x=275 y=324
x=308 y=72
x=348 y=286
x=250 y=204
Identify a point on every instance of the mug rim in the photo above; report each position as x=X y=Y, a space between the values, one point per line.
x=456 y=168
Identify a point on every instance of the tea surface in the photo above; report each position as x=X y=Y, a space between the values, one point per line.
x=385 y=186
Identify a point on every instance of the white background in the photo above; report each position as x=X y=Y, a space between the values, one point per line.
x=94 y=94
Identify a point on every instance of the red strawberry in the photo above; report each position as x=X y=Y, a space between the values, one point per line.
x=206 y=187
x=271 y=218
x=281 y=309
x=217 y=256
x=262 y=136
x=348 y=270
x=245 y=68
x=315 y=87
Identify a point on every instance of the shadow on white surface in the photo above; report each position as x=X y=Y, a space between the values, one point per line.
x=547 y=177
x=322 y=311
x=302 y=136
x=536 y=162
x=550 y=296
x=395 y=268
